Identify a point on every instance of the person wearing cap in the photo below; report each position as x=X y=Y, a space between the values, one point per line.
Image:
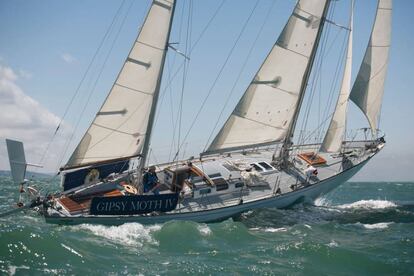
x=150 y=181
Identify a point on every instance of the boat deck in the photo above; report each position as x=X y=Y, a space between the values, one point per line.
x=257 y=183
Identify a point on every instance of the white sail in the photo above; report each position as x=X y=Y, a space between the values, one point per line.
x=120 y=127
x=368 y=88
x=264 y=113
x=334 y=136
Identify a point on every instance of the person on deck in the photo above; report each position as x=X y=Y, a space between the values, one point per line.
x=310 y=171
x=151 y=182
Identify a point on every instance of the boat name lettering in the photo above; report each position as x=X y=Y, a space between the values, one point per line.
x=130 y=205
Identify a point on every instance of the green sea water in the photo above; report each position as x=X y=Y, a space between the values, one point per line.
x=361 y=228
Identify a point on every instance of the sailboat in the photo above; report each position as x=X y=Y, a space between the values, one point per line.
x=251 y=163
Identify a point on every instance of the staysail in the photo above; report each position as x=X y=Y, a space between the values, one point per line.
x=122 y=126
x=264 y=113
x=368 y=88
x=334 y=136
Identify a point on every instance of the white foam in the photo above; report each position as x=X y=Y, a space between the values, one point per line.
x=368 y=204
x=322 y=201
x=12 y=269
x=204 y=229
x=274 y=230
x=381 y=225
x=71 y=250
x=133 y=234
x=333 y=244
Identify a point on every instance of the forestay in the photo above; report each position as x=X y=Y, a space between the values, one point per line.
x=120 y=127
x=265 y=111
x=368 y=88
x=334 y=136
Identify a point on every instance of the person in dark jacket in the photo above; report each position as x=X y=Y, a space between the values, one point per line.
x=151 y=181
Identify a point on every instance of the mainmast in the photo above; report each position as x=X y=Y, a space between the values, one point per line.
x=146 y=146
x=287 y=143
x=265 y=112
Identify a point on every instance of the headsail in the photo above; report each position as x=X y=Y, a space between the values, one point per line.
x=264 y=113
x=368 y=88
x=334 y=136
x=121 y=127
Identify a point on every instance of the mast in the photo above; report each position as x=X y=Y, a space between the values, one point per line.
x=287 y=143
x=145 y=148
x=335 y=133
x=123 y=125
x=265 y=111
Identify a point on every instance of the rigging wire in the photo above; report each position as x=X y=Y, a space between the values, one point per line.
x=315 y=78
x=240 y=72
x=217 y=77
x=95 y=84
x=334 y=83
x=185 y=73
x=42 y=159
x=175 y=74
x=169 y=67
x=328 y=116
x=168 y=84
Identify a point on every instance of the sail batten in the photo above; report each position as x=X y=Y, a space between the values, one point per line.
x=368 y=89
x=120 y=128
x=265 y=111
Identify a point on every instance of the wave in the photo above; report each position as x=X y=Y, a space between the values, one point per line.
x=368 y=204
x=71 y=250
x=132 y=234
x=381 y=225
x=360 y=204
x=269 y=229
x=204 y=230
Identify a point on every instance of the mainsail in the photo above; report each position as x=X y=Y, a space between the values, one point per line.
x=368 y=88
x=334 y=136
x=122 y=126
x=265 y=112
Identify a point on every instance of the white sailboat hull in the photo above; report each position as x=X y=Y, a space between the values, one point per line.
x=272 y=201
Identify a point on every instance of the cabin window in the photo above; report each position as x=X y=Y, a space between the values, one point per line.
x=222 y=187
x=230 y=167
x=266 y=166
x=220 y=184
x=205 y=191
x=256 y=167
x=214 y=175
x=196 y=179
x=239 y=185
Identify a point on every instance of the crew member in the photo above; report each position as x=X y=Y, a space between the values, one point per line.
x=310 y=171
x=151 y=182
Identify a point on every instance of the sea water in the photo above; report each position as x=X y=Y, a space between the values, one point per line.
x=361 y=228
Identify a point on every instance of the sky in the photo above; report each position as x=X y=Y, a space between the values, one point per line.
x=46 y=48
